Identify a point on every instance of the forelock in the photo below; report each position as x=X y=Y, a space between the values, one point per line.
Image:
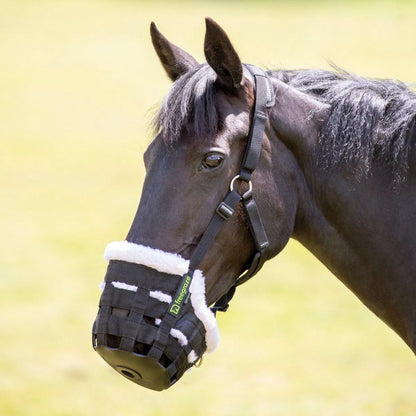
x=190 y=107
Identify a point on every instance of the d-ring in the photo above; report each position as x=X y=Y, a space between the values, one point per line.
x=198 y=362
x=250 y=185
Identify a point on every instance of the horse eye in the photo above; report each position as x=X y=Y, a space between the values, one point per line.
x=212 y=161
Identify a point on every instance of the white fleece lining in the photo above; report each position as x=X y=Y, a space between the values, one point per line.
x=192 y=357
x=170 y=263
x=151 y=257
x=160 y=296
x=203 y=313
x=124 y=286
x=155 y=294
x=180 y=336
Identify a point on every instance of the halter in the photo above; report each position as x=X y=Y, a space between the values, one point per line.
x=264 y=98
x=139 y=345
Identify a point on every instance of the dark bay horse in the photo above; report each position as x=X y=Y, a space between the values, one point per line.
x=334 y=168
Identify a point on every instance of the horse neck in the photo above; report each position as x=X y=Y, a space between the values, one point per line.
x=330 y=220
x=357 y=234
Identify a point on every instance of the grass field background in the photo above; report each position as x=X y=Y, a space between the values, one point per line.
x=79 y=82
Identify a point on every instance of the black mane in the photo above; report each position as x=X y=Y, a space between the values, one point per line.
x=369 y=121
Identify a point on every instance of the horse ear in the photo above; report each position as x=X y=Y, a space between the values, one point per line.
x=221 y=55
x=175 y=60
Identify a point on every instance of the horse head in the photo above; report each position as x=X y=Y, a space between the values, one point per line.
x=154 y=321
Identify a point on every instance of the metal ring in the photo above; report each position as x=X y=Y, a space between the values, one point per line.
x=250 y=185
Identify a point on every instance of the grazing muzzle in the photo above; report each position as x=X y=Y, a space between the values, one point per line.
x=153 y=323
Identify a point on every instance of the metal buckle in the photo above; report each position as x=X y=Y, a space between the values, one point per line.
x=224 y=211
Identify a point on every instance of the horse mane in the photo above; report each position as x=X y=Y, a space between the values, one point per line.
x=370 y=121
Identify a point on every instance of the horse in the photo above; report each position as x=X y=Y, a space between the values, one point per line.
x=242 y=161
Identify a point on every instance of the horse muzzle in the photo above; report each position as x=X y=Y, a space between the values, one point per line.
x=153 y=323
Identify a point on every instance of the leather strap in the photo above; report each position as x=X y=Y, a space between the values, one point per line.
x=224 y=211
x=264 y=98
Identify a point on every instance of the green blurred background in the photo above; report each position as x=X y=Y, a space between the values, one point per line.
x=79 y=83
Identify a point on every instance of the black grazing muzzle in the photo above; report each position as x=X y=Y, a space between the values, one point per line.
x=152 y=337
x=153 y=322
x=136 y=333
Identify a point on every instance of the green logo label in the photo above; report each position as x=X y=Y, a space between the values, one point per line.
x=181 y=297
